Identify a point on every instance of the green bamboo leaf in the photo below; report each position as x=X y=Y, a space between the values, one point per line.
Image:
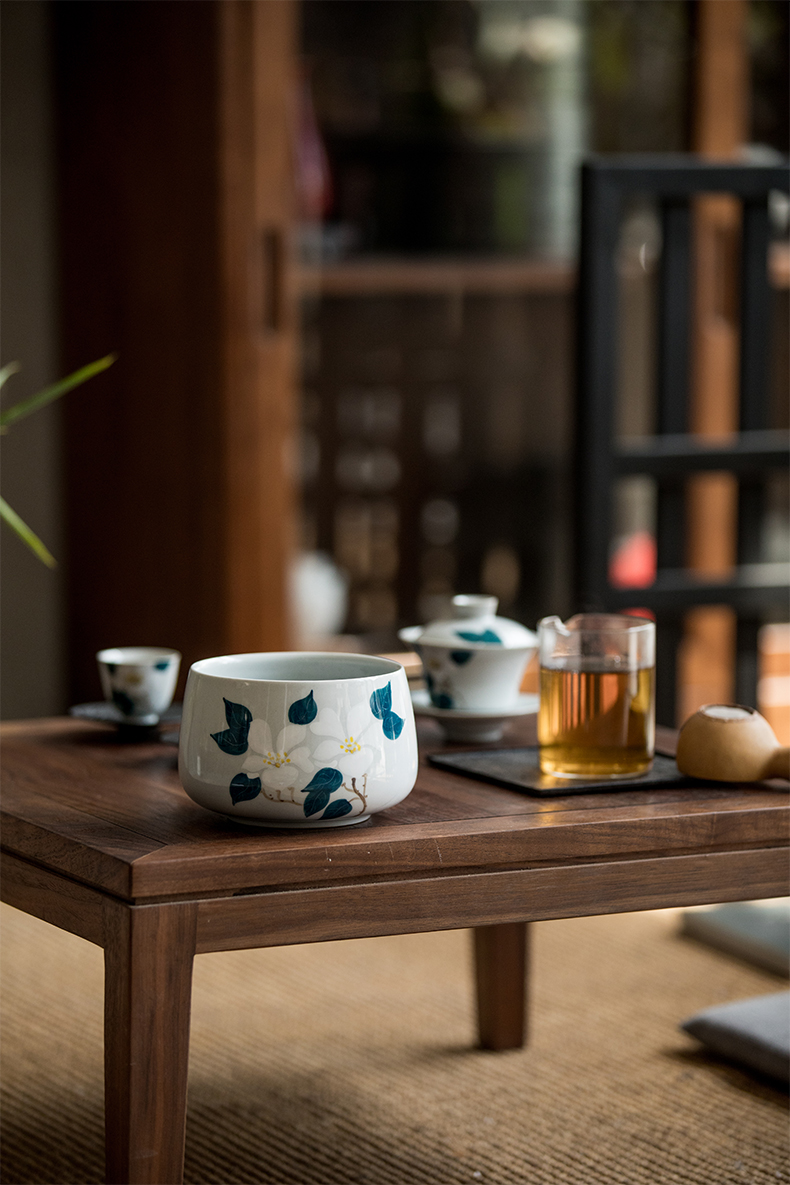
x=26 y=406
x=27 y=536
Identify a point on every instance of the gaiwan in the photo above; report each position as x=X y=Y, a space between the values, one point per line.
x=473 y=661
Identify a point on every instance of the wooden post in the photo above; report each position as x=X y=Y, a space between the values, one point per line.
x=258 y=107
x=707 y=655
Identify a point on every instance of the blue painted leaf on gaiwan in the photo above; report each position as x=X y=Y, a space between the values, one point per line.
x=337 y=809
x=243 y=788
x=381 y=702
x=392 y=725
x=163 y=665
x=303 y=711
x=484 y=636
x=319 y=789
x=234 y=738
x=460 y=657
x=442 y=700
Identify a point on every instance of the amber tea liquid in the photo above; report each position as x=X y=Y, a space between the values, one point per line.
x=595 y=722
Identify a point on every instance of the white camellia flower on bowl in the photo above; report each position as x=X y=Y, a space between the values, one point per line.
x=348 y=741
x=280 y=766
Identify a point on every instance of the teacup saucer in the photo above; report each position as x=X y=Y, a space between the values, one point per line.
x=107 y=713
x=459 y=725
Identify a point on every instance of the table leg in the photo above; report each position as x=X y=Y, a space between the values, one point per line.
x=501 y=966
x=148 y=954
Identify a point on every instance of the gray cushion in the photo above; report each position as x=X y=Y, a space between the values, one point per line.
x=754 y=1032
x=758 y=931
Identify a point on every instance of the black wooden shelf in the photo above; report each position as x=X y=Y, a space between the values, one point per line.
x=750 y=587
x=676 y=454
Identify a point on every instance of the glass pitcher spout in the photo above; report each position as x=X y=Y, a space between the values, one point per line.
x=554 y=623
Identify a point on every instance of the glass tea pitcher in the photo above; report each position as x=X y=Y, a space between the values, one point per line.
x=597 y=695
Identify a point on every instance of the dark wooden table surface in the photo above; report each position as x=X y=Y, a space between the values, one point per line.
x=99 y=838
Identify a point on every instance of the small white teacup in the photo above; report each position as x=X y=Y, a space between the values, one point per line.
x=139 y=681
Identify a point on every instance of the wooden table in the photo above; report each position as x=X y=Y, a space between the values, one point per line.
x=99 y=839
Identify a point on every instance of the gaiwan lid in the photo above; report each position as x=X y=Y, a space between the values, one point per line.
x=474 y=625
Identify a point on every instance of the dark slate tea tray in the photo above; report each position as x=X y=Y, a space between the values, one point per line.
x=517 y=769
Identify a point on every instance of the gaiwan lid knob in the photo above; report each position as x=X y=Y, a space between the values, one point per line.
x=475 y=625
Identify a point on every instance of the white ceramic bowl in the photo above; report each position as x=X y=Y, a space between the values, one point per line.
x=474 y=661
x=297 y=739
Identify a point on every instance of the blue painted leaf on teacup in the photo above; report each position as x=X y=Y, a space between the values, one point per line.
x=381 y=702
x=243 y=788
x=483 y=636
x=163 y=665
x=392 y=725
x=338 y=808
x=233 y=739
x=460 y=657
x=303 y=711
x=123 y=702
x=319 y=788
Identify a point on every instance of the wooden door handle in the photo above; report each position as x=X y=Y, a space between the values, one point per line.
x=273 y=279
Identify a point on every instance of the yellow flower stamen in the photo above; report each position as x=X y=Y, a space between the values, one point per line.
x=277 y=759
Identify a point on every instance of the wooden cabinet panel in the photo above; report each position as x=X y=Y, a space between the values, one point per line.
x=175 y=170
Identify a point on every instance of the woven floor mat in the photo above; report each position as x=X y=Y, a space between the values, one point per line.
x=354 y=1063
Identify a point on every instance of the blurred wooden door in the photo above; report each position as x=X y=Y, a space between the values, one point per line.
x=176 y=211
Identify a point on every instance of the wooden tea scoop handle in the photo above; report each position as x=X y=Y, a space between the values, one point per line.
x=730 y=743
x=779 y=764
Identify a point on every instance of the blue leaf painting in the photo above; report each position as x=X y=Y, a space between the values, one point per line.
x=337 y=809
x=163 y=665
x=485 y=636
x=234 y=738
x=303 y=711
x=392 y=725
x=316 y=801
x=381 y=707
x=326 y=778
x=442 y=700
x=381 y=702
x=460 y=657
x=243 y=788
x=319 y=789
x=123 y=702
